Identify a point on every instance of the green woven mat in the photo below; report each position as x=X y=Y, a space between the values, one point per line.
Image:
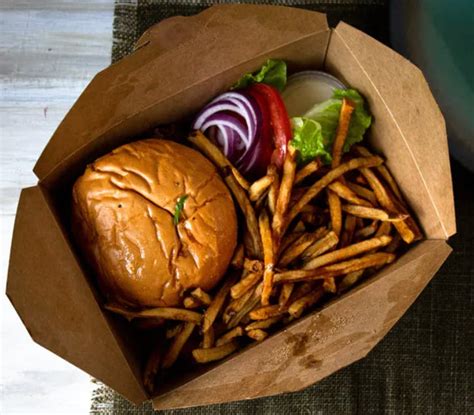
x=425 y=365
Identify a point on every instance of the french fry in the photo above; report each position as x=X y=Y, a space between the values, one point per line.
x=173 y=331
x=208 y=338
x=349 y=280
x=394 y=245
x=253 y=265
x=230 y=335
x=151 y=368
x=259 y=187
x=238 y=257
x=167 y=313
x=215 y=353
x=335 y=212
x=311 y=218
x=307 y=170
x=362 y=192
x=299 y=227
x=374 y=213
x=236 y=305
x=274 y=187
x=408 y=229
x=245 y=284
x=335 y=270
x=252 y=302
x=284 y=193
x=384 y=229
x=329 y=285
x=268 y=311
x=289 y=239
x=202 y=296
x=300 y=245
x=257 y=334
x=327 y=242
x=216 y=156
x=367 y=231
x=247 y=210
x=346 y=193
x=302 y=289
x=177 y=344
x=334 y=174
x=347 y=252
x=268 y=255
x=191 y=302
x=217 y=303
x=285 y=294
x=342 y=129
x=305 y=302
x=348 y=232
x=263 y=324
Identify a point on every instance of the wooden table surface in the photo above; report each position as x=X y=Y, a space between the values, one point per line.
x=49 y=50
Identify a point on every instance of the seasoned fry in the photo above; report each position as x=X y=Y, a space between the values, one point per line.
x=268 y=255
x=216 y=156
x=346 y=193
x=253 y=265
x=284 y=193
x=408 y=229
x=362 y=192
x=168 y=313
x=245 y=284
x=263 y=324
x=335 y=270
x=248 y=211
x=307 y=170
x=217 y=303
x=208 y=338
x=274 y=187
x=347 y=252
x=285 y=294
x=257 y=334
x=232 y=334
x=373 y=213
x=238 y=257
x=300 y=245
x=321 y=246
x=202 y=296
x=215 y=353
x=305 y=302
x=259 y=187
x=348 y=232
x=367 y=231
x=268 y=311
x=334 y=174
x=335 y=212
x=342 y=129
x=176 y=346
x=151 y=368
x=191 y=302
x=349 y=280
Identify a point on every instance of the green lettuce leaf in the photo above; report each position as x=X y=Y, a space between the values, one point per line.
x=273 y=73
x=327 y=115
x=308 y=140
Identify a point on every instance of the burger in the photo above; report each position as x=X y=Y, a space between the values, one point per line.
x=154 y=220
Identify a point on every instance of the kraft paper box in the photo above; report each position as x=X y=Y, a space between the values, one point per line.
x=178 y=66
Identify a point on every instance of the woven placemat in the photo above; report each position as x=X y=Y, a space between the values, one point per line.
x=425 y=365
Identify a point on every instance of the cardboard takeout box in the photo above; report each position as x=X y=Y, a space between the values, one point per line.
x=178 y=66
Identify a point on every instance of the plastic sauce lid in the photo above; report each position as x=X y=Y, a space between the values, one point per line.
x=306 y=89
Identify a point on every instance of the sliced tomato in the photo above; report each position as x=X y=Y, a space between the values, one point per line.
x=279 y=120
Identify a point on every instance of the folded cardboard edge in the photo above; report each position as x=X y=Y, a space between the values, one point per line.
x=326 y=340
x=120 y=82
x=404 y=92
x=55 y=302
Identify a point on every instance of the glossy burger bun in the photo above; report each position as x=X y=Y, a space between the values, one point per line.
x=123 y=208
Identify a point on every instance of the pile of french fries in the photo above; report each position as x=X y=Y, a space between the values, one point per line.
x=308 y=234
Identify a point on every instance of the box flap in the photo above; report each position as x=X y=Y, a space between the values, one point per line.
x=407 y=117
x=142 y=90
x=55 y=302
x=320 y=344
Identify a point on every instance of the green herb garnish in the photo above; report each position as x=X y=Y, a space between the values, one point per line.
x=179 y=208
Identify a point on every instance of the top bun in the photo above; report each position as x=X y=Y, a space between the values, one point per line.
x=123 y=218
